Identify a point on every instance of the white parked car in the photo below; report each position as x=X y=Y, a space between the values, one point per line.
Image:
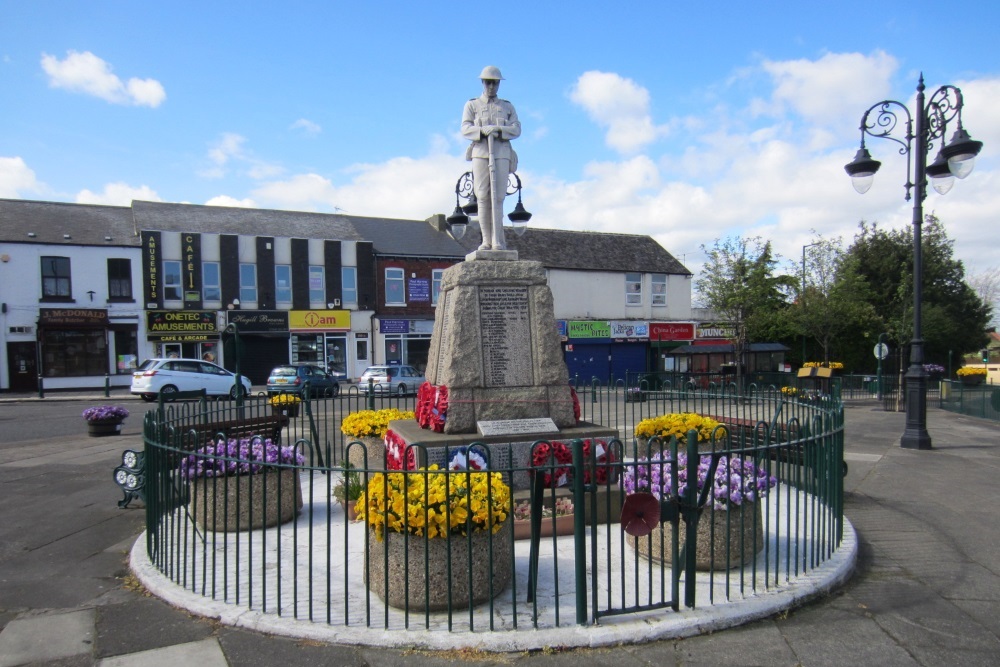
x=172 y=375
x=398 y=380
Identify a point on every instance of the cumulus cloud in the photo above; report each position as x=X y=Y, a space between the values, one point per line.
x=229 y=150
x=306 y=126
x=117 y=194
x=620 y=105
x=226 y=200
x=86 y=73
x=16 y=178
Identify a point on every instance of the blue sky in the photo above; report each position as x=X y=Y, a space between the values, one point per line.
x=685 y=121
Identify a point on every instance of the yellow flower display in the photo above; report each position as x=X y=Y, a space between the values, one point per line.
x=790 y=391
x=835 y=365
x=284 y=399
x=434 y=502
x=677 y=424
x=967 y=371
x=372 y=423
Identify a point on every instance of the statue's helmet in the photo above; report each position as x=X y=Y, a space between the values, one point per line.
x=491 y=72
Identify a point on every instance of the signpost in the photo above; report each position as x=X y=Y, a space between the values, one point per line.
x=881 y=352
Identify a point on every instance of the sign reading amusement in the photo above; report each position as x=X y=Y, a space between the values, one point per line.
x=161 y=323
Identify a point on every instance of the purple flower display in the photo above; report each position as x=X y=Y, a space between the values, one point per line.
x=247 y=456
x=103 y=413
x=736 y=480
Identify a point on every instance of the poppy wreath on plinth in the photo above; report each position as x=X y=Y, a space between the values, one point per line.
x=432 y=407
x=395 y=450
x=558 y=454
x=576 y=404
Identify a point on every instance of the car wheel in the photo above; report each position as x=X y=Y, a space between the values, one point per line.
x=335 y=390
x=149 y=398
x=401 y=390
x=167 y=392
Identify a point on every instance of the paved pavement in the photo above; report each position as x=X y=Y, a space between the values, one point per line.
x=926 y=591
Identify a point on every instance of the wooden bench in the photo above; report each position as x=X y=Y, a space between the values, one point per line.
x=266 y=426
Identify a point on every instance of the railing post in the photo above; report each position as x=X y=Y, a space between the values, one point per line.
x=107 y=385
x=41 y=386
x=690 y=501
x=579 y=532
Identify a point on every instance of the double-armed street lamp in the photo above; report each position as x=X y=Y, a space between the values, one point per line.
x=954 y=160
x=458 y=221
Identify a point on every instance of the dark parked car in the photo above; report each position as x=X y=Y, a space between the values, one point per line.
x=292 y=379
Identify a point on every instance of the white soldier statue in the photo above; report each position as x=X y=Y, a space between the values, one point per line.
x=490 y=123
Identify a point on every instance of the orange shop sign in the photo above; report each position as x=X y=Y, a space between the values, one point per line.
x=319 y=320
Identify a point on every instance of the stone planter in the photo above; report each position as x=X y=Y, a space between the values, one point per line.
x=287 y=409
x=745 y=529
x=246 y=502
x=386 y=562
x=564 y=526
x=374 y=448
x=100 y=429
x=972 y=380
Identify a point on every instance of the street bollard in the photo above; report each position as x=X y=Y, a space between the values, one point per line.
x=371 y=394
x=107 y=385
x=41 y=387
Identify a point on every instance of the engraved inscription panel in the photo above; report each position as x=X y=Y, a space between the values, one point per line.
x=444 y=312
x=506 y=334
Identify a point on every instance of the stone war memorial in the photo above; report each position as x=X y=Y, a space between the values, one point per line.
x=495 y=371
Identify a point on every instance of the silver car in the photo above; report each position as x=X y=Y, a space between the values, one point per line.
x=172 y=375
x=398 y=380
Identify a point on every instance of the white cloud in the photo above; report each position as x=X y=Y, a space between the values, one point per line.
x=620 y=105
x=306 y=126
x=117 y=194
x=86 y=73
x=226 y=200
x=229 y=150
x=16 y=178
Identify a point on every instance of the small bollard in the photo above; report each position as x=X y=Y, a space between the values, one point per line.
x=371 y=394
x=41 y=387
x=107 y=385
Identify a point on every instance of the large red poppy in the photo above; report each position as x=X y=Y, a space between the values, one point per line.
x=640 y=514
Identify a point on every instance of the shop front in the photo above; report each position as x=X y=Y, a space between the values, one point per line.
x=665 y=337
x=73 y=347
x=185 y=334
x=320 y=337
x=406 y=341
x=263 y=342
x=608 y=352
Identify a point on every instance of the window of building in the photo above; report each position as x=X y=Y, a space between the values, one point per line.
x=210 y=284
x=283 y=284
x=74 y=353
x=395 y=287
x=658 y=289
x=349 y=285
x=436 y=276
x=248 y=283
x=56 y=282
x=172 y=281
x=120 y=279
x=633 y=289
x=317 y=284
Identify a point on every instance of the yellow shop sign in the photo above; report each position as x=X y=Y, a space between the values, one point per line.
x=325 y=320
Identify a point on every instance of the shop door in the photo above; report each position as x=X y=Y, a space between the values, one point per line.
x=627 y=360
x=586 y=362
x=23 y=366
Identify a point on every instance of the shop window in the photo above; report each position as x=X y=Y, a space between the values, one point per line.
x=658 y=289
x=248 y=283
x=171 y=281
x=283 y=284
x=395 y=287
x=56 y=282
x=633 y=289
x=436 y=276
x=119 y=279
x=74 y=353
x=317 y=284
x=349 y=285
x=210 y=283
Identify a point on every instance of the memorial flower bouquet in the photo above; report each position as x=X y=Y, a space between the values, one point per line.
x=554 y=461
x=736 y=480
x=435 y=502
x=229 y=458
x=105 y=413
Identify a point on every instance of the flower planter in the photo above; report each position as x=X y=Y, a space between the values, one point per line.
x=972 y=380
x=349 y=511
x=246 y=502
x=285 y=409
x=563 y=526
x=100 y=429
x=374 y=449
x=415 y=569
x=744 y=538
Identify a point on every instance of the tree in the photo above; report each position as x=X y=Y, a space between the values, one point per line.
x=833 y=297
x=954 y=319
x=738 y=281
x=987 y=286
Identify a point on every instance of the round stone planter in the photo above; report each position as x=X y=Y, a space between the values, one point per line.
x=374 y=448
x=972 y=380
x=246 y=502
x=286 y=409
x=422 y=565
x=745 y=529
x=100 y=429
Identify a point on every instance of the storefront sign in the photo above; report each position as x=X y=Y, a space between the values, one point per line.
x=161 y=323
x=671 y=331
x=191 y=269
x=394 y=326
x=629 y=329
x=588 y=329
x=184 y=338
x=723 y=331
x=259 y=321
x=319 y=320
x=420 y=289
x=49 y=318
x=151 y=268
x=562 y=329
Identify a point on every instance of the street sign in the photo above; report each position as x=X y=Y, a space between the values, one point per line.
x=881 y=351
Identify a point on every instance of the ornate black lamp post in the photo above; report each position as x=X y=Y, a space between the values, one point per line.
x=954 y=160
x=458 y=221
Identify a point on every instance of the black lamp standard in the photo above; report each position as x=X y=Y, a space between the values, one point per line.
x=458 y=221
x=954 y=160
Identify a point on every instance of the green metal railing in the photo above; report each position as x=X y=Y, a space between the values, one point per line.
x=314 y=567
x=976 y=400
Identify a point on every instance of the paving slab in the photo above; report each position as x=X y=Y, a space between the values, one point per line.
x=205 y=653
x=43 y=638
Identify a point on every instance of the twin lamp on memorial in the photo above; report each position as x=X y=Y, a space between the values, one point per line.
x=458 y=221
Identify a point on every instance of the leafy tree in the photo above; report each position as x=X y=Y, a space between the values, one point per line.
x=954 y=318
x=738 y=281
